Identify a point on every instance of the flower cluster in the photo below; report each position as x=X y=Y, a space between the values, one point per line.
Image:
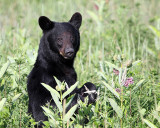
x=116 y=72
x=118 y=90
x=128 y=81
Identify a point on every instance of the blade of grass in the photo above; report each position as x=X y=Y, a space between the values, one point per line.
x=138 y=84
x=4 y=68
x=112 y=90
x=2 y=102
x=115 y=106
x=16 y=97
x=149 y=123
x=70 y=113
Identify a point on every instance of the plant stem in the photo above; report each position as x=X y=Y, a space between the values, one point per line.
x=121 y=102
x=130 y=104
x=61 y=103
x=64 y=111
x=121 y=105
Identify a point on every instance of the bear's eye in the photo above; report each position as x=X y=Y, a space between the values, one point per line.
x=59 y=42
x=72 y=39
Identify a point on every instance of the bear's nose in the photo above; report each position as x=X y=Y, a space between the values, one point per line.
x=69 y=52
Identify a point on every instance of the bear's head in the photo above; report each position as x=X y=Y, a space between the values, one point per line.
x=62 y=38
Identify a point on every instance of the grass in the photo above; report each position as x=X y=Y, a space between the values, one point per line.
x=114 y=34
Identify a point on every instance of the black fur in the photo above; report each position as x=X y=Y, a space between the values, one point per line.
x=57 y=50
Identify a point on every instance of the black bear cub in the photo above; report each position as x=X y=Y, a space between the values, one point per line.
x=57 y=51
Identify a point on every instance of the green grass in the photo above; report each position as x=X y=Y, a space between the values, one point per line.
x=111 y=35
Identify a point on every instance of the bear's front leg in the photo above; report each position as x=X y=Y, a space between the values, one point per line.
x=38 y=113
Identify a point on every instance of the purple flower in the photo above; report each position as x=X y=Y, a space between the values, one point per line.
x=116 y=72
x=118 y=90
x=128 y=81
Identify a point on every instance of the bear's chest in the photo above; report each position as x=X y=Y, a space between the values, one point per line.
x=69 y=77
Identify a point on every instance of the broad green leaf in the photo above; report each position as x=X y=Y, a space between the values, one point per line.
x=155 y=114
x=142 y=111
x=16 y=97
x=116 y=108
x=57 y=81
x=4 y=68
x=55 y=96
x=112 y=65
x=57 y=102
x=70 y=113
x=155 y=31
x=112 y=90
x=69 y=101
x=69 y=90
x=2 y=102
x=52 y=123
x=14 y=85
x=102 y=75
x=138 y=84
x=49 y=113
x=136 y=62
x=149 y=123
x=52 y=90
x=158 y=106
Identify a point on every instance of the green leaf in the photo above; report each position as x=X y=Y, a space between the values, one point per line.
x=49 y=113
x=102 y=75
x=136 y=62
x=57 y=81
x=70 y=113
x=138 y=84
x=52 y=90
x=4 y=68
x=16 y=97
x=112 y=90
x=70 y=101
x=158 y=106
x=115 y=106
x=142 y=111
x=2 y=102
x=155 y=114
x=112 y=65
x=55 y=96
x=155 y=31
x=149 y=123
x=56 y=100
x=69 y=90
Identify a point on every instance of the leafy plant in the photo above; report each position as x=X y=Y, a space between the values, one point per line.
x=60 y=101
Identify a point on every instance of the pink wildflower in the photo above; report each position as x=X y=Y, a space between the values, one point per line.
x=116 y=72
x=118 y=90
x=128 y=81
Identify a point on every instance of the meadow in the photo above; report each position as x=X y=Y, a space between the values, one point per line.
x=119 y=53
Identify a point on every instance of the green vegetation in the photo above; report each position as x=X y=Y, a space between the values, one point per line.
x=119 y=52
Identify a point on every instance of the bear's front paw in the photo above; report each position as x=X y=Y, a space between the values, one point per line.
x=88 y=89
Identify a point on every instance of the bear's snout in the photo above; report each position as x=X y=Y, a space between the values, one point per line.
x=69 y=52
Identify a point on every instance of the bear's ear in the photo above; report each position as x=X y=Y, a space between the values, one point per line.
x=76 y=20
x=45 y=23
